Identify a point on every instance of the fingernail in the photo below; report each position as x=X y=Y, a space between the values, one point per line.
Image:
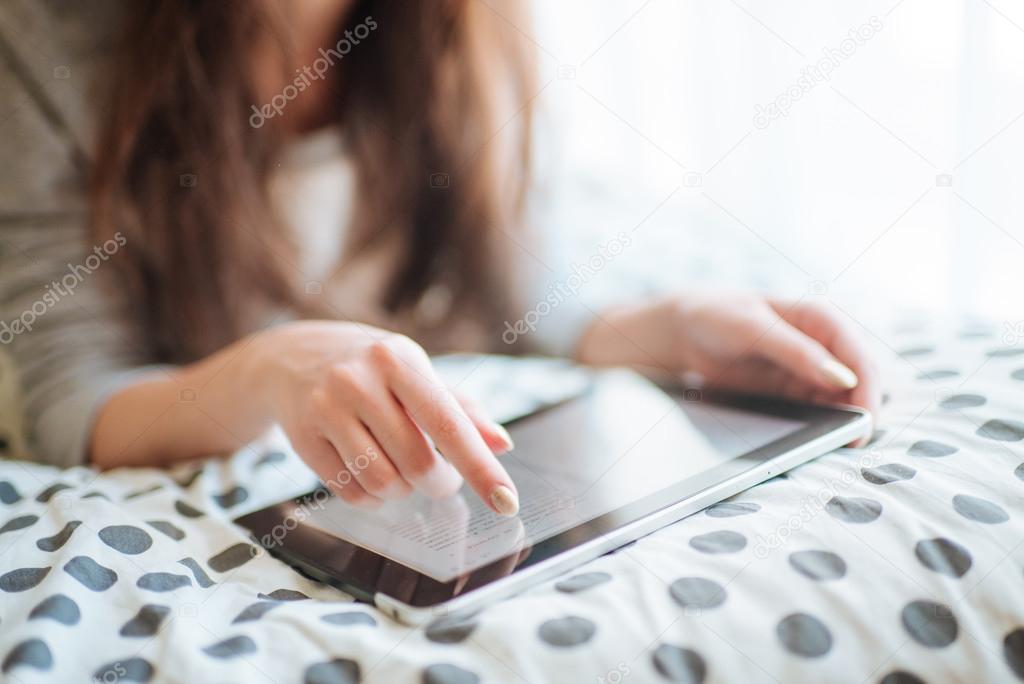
x=503 y=433
x=838 y=374
x=504 y=501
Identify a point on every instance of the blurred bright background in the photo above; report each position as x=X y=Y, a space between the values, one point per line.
x=894 y=184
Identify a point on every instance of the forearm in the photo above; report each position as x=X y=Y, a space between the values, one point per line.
x=212 y=406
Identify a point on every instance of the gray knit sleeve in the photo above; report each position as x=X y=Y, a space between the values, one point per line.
x=68 y=335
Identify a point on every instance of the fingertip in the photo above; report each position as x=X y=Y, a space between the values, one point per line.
x=837 y=374
x=504 y=501
x=498 y=439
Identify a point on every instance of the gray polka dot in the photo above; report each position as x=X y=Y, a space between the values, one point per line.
x=916 y=351
x=231 y=648
x=1013 y=651
x=202 y=579
x=446 y=673
x=22 y=579
x=974 y=334
x=233 y=557
x=1004 y=353
x=679 y=664
x=271 y=457
x=337 y=671
x=722 y=541
x=450 y=629
x=567 y=632
x=284 y=595
x=1018 y=374
x=962 y=401
x=1019 y=472
x=853 y=509
x=729 y=509
x=171 y=530
x=979 y=510
x=59 y=608
x=943 y=556
x=143 y=492
x=900 y=677
x=940 y=374
x=255 y=611
x=930 y=624
x=60 y=539
x=885 y=474
x=697 y=592
x=349 y=618
x=125 y=670
x=818 y=565
x=232 y=497
x=90 y=573
x=32 y=653
x=1002 y=430
x=804 y=635
x=51 y=491
x=127 y=539
x=583 y=581
x=187 y=510
x=189 y=479
x=162 y=581
x=146 y=622
x=8 y=494
x=19 y=523
x=929 y=449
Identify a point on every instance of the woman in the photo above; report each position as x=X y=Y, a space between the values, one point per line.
x=219 y=216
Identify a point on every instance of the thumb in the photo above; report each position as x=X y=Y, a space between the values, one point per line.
x=804 y=357
x=495 y=436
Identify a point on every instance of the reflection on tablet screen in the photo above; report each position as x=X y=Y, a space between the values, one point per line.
x=622 y=441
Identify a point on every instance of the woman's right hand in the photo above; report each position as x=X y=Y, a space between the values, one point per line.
x=364 y=408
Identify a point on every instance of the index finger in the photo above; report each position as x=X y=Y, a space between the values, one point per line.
x=434 y=408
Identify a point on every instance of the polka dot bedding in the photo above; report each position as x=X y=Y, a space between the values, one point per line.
x=899 y=563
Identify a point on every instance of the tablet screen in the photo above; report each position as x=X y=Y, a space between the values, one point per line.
x=620 y=442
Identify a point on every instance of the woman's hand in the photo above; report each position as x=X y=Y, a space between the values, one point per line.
x=741 y=342
x=365 y=409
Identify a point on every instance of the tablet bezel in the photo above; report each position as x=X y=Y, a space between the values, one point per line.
x=368 y=575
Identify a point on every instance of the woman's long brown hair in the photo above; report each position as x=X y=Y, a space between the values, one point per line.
x=184 y=175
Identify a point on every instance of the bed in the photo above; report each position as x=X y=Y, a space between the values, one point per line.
x=899 y=563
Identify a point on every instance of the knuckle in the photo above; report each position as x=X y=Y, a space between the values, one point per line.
x=403 y=345
x=419 y=467
x=448 y=420
x=376 y=480
x=383 y=355
x=344 y=378
x=353 y=495
x=320 y=403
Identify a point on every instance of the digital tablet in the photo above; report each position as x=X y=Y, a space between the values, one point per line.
x=593 y=473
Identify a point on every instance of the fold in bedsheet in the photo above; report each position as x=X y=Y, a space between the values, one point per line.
x=901 y=562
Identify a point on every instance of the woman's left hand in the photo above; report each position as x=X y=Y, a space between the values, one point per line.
x=741 y=342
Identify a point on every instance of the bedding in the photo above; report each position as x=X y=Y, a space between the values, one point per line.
x=901 y=562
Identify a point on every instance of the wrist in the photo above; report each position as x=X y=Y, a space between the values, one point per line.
x=259 y=374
